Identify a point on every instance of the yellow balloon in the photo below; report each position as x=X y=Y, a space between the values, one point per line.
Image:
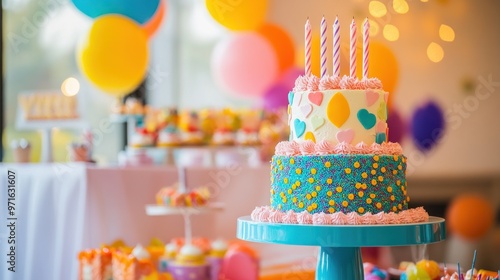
x=315 y=55
x=238 y=14
x=114 y=54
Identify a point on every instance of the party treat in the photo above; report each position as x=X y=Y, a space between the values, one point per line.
x=226 y=122
x=190 y=264
x=338 y=167
x=171 y=196
x=141 y=138
x=132 y=266
x=95 y=264
x=169 y=135
x=248 y=134
x=189 y=125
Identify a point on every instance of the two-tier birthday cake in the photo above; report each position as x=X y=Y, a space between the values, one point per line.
x=338 y=166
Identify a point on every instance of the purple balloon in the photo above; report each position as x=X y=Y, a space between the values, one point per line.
x=276 y=97
x=427 y=126
x=397 y=126
x=288 y=78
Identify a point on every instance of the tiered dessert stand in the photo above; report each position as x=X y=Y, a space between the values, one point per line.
x=340 y=245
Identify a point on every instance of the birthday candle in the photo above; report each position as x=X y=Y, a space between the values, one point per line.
x=323 y=47
x=336 y=48
x=366 y=47
x=353 y=49
x=308 y=48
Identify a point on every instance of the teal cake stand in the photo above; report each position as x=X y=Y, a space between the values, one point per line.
x=340 y=253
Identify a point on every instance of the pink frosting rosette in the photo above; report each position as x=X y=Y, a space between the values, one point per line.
x=329 y=83
x=367 y=219
x=361 y=148
x=370 y=83
x=276 y=216
x=391 y=218
x=353 y=218
x=264 y=215
x=307 y=147
x=304 y=217
x=392 y=148
x=376 y=149
x=256 y=213
x=348 y=82
x=338 y=218
x=343 y=148
x=312 y=83
x=324 y=147
x=288 y=148
x=321 y=219
x=379 y=218
x=300 y=84
x=290 y=217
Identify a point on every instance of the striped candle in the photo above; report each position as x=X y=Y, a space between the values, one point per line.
x=336 y=48
x=307 y=49
x=353 y=49
x=366 y=47
x=323 y=47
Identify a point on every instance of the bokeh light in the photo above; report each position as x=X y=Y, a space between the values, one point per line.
x=70 y=86
x=435 y=52
x=446 y=33
x=391 y=32
x=374 y=28
x=377 y=9
x=400 y=6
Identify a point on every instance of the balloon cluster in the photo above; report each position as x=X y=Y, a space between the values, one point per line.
x=114 y=53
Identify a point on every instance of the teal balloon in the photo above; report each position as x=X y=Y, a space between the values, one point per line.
x=138 y=10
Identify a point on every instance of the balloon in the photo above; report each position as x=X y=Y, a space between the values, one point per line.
x=427 y=126
x=245 y=64
x=315 y=52
x=138 y=10
x=276 y=97
x=470 y=216
x=397 y=126
x=114 y=54
x=288 y=78
x=238 y=14
x=155 y=22
x=282 y=44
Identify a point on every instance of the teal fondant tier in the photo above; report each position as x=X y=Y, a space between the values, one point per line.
x=337 y=182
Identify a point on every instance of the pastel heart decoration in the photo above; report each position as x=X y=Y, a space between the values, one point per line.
x=299 y=99
x=306 y=109
x=382 y=111
x=345 y=136
x=371 y=97
x=381 y=127
x=366 y=118
x=315 y=97
x=290 y=97
x=317 y=122
x=380 y=138
x=300 y=127
x=386 y=97
x=310 y=136
x=338 y=110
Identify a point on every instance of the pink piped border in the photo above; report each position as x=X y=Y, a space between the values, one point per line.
x=324 y=147
x=270 y=215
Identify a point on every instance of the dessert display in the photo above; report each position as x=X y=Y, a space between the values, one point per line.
x=175 y=197
x=169 y=135
x=338 y=166
x=248 y=133
x=226 y=123
x=48 y=106
x=142 y=138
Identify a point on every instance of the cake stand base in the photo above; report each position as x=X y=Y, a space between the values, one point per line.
x=340 y=246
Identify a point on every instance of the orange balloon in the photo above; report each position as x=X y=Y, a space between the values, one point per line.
x=282 y=44
x=315 y=55
x=154 y=23
x=470 y=216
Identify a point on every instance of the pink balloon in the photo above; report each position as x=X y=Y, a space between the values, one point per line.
x=245 y=64
x=288 y=78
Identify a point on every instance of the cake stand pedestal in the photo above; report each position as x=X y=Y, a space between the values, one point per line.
x=340 y=245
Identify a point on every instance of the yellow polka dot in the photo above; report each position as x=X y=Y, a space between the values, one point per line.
x=394 y=209
x=294 y=200
x=364 y=186
x=358 y=186
x=372 y=195
x=374 y=172
x=281 y=167
x=297 y=183
x=314 y=194
x=313 y=171
x=395 y=158
x=400 y=207
x=285 y=180
x=318 y=188
x=398 y=182
x=361 y=210
x=394 y=172
x=282 y=194
x=284 y=199
x=364 y=175
x=328 y=164
x=301 y=205
x=350 y=196
x=380 y=178
x=331 y=202
x=375 y=158
x=329 y=193
x=400 y=167
x=347 y=171
x=379 y=205
x=289 y=191
x=383 y=169
x=389 y=189
x=339 y=189
x=374 y=182
x=329 y=181
x=357 y=165
x=310 y=180
x=345 y=203
x=309 y=208
x=294 y=186
x=292 y=161
x=403 y=160
x=393 y=198
x=331 y=210
x=308 y=196
x=279 y=161
x=361 y=194
x=314 y=205
x=272 y=191
x=375 y=165
x=369 y=200
x=298 y=171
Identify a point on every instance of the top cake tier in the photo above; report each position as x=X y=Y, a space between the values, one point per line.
x=338 y=110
